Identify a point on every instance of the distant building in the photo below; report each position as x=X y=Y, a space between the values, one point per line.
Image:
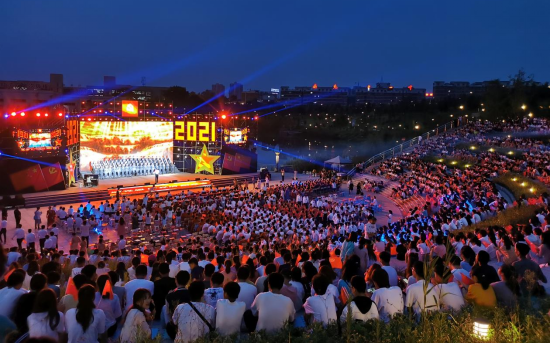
x=218 y=89
x=236 y=91
x=385 y=93
x=459 y=89
x=19 y=95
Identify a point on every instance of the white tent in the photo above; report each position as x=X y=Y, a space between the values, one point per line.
x=338 y=161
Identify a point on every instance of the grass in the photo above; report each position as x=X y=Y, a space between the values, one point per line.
x=511 y=152
x=449 y=162
x=437 y=327
x=520 y=185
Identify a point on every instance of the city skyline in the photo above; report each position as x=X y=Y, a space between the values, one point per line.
x=289 y=44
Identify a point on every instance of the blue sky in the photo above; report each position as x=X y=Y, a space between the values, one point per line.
x=273 y=43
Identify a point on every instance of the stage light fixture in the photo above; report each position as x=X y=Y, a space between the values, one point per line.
x=60 y=114
x=6 y=115
x=13 y=114
x=224 y=116
x=46 y=115
x=22 y=114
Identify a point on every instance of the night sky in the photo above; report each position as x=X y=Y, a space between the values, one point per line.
x=266 y=44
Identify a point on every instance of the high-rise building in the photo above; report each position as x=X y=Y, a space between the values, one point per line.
x=236 y=90
x=218 y=89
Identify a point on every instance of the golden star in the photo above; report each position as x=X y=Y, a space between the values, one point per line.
x=204 y=161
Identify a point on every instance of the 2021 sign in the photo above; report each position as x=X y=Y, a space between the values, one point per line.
x=195 y=131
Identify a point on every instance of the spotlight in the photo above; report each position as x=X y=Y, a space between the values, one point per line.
x=38 y=114
x=22 y=114
x=60 y=114
x=46 y=115
x=6 y=115
x=13 y=114
x=224 y=116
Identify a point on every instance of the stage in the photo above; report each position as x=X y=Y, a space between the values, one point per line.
x=107 y=188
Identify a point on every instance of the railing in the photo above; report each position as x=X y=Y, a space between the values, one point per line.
x=397 y=150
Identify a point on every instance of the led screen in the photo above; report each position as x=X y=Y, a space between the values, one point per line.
x=40 y=140
x=124 y=139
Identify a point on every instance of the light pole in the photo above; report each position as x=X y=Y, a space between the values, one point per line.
x=277 y=154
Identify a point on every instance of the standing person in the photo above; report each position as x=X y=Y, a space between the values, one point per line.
x=135 y=323
x=85 y=324
x=350 y=186
x=3 y=231
x=283 y=175
x=17 y=215
x=37 y=218
x=163 y=286
x=50 y=217
x=42 y=236
x=31 y=240
x=45 y=320
x=121 y=228
x=195 y=318
x=156 y=175
x=19 y=235
x=85 y=232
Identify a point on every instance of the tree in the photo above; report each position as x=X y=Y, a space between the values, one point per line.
x=177 y=95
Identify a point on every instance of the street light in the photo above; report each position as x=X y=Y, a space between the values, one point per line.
x=531 y=114
x=523 y=107
x=461 y=107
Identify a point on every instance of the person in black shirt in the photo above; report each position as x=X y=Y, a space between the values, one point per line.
x=482 y=264
x=163 y=286
x=174 y=298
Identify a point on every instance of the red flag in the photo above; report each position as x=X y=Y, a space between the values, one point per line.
x=52 y=174
x=335 y=262
x=229 y=162
x=19 y=179
x=144 y=259
x=244 y=260
x=37 y=178
x=241 y=161
x=214 y=262
x=299 y=258
x=108 y=290
x=71 y=289
x=7 y=275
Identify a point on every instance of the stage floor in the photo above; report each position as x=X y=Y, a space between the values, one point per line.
x=27 y=213
x=104 y=184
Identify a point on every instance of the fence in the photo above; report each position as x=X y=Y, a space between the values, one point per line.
x=397 y=150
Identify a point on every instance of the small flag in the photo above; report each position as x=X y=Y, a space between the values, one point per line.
x=71 y=289
x=108 y=290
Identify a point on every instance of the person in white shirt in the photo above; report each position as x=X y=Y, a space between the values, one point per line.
x=416 y=299
x=10 y=294
x=388 y=300
x=31 y=239
x=186 y=316
x=449 y=294
x=361 y=307
x=229 y=311
x=320 y=307
x=457 y=271
x=20 y=236
x=384 y=259
x=92 y=327
x=248 y=290
x=46 y=321
x=272 y=308
x=139 y=282
x=212 y=295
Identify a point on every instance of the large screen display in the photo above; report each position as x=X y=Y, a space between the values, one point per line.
x=124 y=139
x=129 y=108
x=40 y=140
x=235 y=136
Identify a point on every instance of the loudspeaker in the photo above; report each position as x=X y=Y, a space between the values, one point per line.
x=174 y=181
x=119 y=186
x=197 y=179
x=147 y=183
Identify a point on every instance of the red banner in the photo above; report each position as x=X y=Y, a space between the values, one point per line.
x=143 y=189
x=52 y=174
x=31 y=176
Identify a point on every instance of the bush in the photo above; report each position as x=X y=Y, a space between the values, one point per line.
x=506 y=326
x=510 y=216
x=520 y=185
